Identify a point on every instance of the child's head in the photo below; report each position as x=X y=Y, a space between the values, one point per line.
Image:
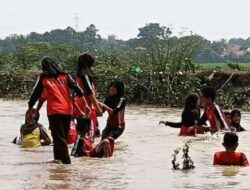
x=236 y=116
x=50 y=67
x=35 y=118
x=192 y=101
x=117 y=88
x=228 y=117
x=208 y=95
x=85 y=62
x=230 y=141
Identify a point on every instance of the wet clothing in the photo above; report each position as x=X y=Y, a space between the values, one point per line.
x=59 y=107
x=84 y=147
x=189 y=118
x=58 y=94
x=238 y=127
x=113 y=132
x=215 y=117
x=86 y=83
x=173 y=124
x=115 y=122
x=72 y=134
x=230 y=158
x=43 y=96
x=118 y=105
x=59 y=126
x=34 y=135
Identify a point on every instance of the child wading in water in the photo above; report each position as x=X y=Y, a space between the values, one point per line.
x=230 y=157
x=212 y=112
x=57 y=84
x=235 y=117
x=114 y=104
x=189 y=118
x=86 y=82
x=228 y=118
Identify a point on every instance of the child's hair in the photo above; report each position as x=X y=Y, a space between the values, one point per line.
x=209 y=92
x=235 y=111
x=119 y=87
x=85 y=61
x=191 y=101
x=35 y=118
x=230 y=139
x=227 y=113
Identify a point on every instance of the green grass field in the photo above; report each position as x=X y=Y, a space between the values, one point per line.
x=209 y=66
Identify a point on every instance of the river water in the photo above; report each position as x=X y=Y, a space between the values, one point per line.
x=142 y=157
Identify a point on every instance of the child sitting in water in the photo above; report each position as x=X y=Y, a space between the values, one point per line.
x=114 y=104
x=230 y=157
x=189 y=118
x=84 y=145
x=33 y=134
x=236 y=116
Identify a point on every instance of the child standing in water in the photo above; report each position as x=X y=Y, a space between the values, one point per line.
x=236 y=117
x=230 y=157
x=212 y=112
x=189 y=118
x=86 y=82
x=114 y=104
x=57 y=84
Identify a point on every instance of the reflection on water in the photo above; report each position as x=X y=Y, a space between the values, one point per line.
x=142 y=157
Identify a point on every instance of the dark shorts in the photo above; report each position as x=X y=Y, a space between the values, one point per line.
x=113 y=132
x=82 y=123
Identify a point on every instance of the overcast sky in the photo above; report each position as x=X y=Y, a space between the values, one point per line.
x=213 y=19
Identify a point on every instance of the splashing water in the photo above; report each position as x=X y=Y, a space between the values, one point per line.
x=187 y=162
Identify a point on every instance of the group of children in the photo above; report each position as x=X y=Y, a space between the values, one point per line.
x=192 y=124
x=68 y=98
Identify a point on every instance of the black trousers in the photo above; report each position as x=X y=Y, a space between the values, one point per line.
x=113 y=132
x=59 y=125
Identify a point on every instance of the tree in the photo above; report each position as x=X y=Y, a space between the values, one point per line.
x=151 y=35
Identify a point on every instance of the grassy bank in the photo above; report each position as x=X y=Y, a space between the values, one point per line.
x=210 y=66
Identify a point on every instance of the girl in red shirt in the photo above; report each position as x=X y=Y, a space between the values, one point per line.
x=114 y=104
x=57 y=84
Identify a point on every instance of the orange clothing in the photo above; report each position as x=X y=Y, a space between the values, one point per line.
x=58 y=95
x=230 y=158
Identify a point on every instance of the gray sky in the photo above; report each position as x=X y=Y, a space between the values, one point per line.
x=213 y=19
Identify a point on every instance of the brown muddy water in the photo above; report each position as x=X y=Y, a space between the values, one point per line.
x=142 y=157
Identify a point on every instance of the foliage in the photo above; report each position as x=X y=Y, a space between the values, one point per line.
x=165 y=62
x=16 y=84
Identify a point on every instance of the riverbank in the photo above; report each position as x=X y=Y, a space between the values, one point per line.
x=233 y=87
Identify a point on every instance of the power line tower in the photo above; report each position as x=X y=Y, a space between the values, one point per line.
x=76 y=18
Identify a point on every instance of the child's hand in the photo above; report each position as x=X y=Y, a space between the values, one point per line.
x=162 y=122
